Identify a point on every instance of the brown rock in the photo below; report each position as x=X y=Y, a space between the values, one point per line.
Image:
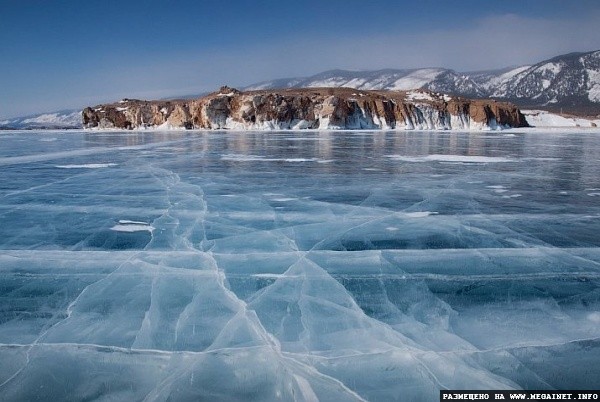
x=307 y=108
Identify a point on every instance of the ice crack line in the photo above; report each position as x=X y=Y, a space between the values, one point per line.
x=69 y=311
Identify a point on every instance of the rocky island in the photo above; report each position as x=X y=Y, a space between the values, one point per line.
x=308 y=108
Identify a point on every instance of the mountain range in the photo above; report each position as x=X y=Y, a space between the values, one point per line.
x=568 y=83
x=63 y=119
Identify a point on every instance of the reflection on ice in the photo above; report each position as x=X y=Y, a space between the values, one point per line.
x=213 y=266
x=450 y=158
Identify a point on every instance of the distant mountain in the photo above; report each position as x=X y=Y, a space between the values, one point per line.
x=570 y=82
x=64 y=119
x=435 y=79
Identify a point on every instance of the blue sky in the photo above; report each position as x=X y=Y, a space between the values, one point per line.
x=69 y=54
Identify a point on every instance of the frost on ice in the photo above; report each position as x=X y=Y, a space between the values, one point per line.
x=240 y=267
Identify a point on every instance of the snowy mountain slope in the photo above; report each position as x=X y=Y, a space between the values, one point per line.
x=435 y=79
x=55 y=120
x=490 y=81
x=455 y=83
x=572 y=77
x=571 y=81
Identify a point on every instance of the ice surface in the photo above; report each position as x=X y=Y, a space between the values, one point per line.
x=238 y=266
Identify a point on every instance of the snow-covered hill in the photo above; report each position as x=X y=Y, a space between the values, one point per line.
x=571 y=81
x=56 y=120
x=435 y=79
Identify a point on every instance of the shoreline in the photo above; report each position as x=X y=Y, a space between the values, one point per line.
x=524 y=130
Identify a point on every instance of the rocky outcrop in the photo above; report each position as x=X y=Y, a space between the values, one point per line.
x=308 y=108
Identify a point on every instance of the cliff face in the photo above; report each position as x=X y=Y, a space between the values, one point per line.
x=310 y=108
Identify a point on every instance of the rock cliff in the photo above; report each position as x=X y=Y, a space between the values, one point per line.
x=308 y=108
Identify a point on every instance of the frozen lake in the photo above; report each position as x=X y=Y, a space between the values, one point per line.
x=297 y=265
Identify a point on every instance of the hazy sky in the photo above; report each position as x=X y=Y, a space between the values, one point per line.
x=69 y=54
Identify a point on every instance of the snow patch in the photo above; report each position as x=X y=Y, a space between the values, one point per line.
x=450 y=158
x=418 y=95
x=420 y=214
x=259 y=158
x=593 y=85
x=128 y=222
x=132 y=227
x=86 y=166
x=542 y=118
x=416 y=79
x=503 y=78
x=554 y=68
